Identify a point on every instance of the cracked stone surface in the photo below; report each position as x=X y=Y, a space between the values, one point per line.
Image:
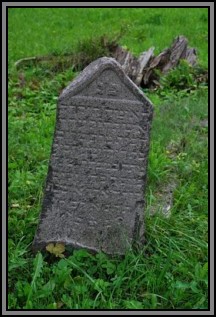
x=94 y=193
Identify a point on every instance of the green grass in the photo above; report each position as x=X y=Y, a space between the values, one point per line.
x=42 y=31
x=171 y=271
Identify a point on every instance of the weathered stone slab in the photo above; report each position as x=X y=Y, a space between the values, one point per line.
x=94 y=194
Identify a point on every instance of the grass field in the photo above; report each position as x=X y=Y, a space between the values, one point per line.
x=171 y=272
x=42 y=31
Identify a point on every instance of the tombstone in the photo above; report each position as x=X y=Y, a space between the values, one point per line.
x=94 y=193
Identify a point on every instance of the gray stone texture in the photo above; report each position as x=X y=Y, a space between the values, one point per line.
x=94 y=193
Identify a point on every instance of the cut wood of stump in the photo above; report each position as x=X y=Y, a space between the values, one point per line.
x=141 y=70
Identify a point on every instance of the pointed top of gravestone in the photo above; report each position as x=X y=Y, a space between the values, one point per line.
x=99 y=73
